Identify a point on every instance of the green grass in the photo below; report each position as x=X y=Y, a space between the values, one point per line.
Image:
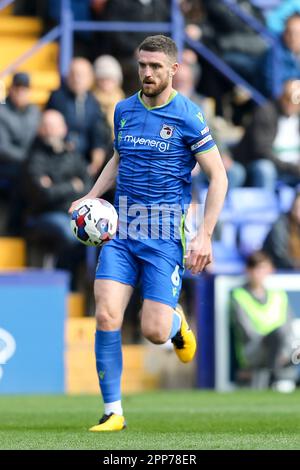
x=161 y=420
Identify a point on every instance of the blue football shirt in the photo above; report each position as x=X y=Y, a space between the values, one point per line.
x=157 y=148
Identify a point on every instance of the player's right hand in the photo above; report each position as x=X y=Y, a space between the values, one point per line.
x=199 y=254
x=76 y=203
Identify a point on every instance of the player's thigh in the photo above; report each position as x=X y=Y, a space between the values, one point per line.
x=116 y=275
x=156 y=321
x=162 y=272
x=117 y=263
x=111 y=298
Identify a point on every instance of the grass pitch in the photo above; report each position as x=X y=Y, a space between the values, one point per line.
x=169 y=420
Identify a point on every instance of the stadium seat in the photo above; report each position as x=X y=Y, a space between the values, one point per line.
x=5 y=12
x=227 y=233
x=12 y=253
x=76 y=305
x=18 y=34
x=286 y=195
x=45 y=58
x=16 y=26
x=252 y=205
x=226 y=214
x=226 y=259
x=251 y=237
x=224 y=253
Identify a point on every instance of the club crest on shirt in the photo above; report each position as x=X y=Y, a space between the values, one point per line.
x=166 y=131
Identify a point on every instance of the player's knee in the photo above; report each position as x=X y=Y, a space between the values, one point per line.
x=154 y=334
x=106 y=320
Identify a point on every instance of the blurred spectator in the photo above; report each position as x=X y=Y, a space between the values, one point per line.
x=98 y=6
x=108 y=85
x=32 y=8
x=282 y=62
x=123 y=44
x=18 y=124
x=184 y=82
x=271 y=145
x=190 y=58
x=54 y=176
x=277 y=17
x=235 y=42
x=283 y=241
x=232 y=38
x=262 y=330
x=82 y=10
x=87 y=125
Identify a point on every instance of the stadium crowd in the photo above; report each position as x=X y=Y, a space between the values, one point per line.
x=50 y=156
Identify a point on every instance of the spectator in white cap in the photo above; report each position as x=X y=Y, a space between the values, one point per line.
x=108 y=85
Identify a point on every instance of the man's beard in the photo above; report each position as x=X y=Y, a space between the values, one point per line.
x=157 y=90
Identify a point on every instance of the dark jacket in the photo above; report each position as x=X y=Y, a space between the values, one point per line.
x=276 y=66
x=89 y=130
x=224 y=31
x=259 y=136
x=277 y=244
x=17 y=131
x=123 y=44
x=61 y=168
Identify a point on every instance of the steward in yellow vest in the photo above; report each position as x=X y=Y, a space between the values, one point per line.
x=261 y=321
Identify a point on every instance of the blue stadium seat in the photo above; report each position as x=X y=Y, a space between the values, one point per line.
x=228 y=233
x=226 y=214
x=226 y=259
x=252 y=205
x=252 y=237
x=224 y=253
x=286 y=196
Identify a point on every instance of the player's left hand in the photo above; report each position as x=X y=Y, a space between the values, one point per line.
x=199 y=254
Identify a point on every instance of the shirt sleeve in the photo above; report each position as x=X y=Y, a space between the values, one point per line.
x=197 y=133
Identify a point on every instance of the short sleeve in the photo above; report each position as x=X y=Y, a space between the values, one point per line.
x=197 y=133
x=116 y=127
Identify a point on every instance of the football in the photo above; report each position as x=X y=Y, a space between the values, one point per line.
x=94 y=222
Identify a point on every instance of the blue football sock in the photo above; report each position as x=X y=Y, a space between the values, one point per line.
x=176 y=324
x=108 y=350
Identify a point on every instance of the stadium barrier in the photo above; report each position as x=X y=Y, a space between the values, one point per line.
x=32 y=321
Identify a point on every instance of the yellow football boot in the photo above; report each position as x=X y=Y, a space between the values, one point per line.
x=111 y=422
x=184 y=341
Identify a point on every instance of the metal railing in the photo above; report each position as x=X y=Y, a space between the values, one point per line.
x=225 y=69
x=65 y=32
x=251 y=21
x=174 y=27
x=5 y=3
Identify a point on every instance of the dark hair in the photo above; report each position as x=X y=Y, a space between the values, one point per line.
x=296 y=196
x=290 y=212
x=257 y=258
x=160 y=43
x=294 y=16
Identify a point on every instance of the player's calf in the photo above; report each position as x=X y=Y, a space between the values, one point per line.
x=156 y=321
